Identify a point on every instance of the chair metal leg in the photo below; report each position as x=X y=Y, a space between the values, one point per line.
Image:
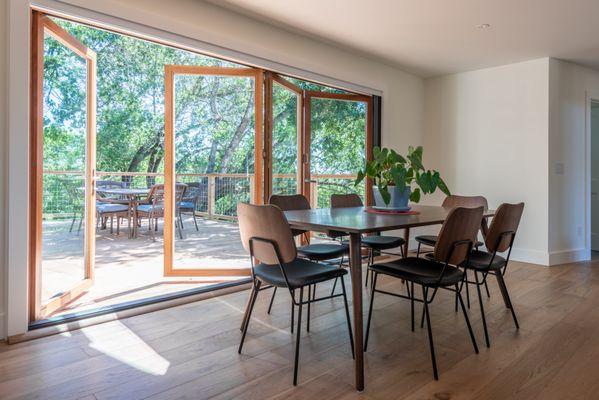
x=80 y=222
x=467 y=289
x=247 y=321
x=367 y=275
x=297 y=340
x=467 y=320
x=418 y=250
x=412 y=303
x=422 y=318
x=503 y=287
x=292 y=310
x=195 y=221
x=430 y=332
x=351 y=334
x=487 y=289
x=373 y=286
x=73 y=222
x=482 y=309
x=370 y=262
x=272 y=299
x=334 y=286
x=309 y=308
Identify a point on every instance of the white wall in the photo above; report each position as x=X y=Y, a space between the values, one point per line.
x=192 y=20
x=486 y=131
x=3 y=158
x=571 y=87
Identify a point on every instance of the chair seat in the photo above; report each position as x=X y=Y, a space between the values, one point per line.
x=104 y=208
x=431 y=240
x=147 y=208
x=299 y=272
x=187 y=205
x=480 y=260
x=420 y=271
x=323 y=251
x=382 y=242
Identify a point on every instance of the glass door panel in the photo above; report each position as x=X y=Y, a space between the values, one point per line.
x=338 y=138
x=65 y=144
x=286 y=139
x=211 y=165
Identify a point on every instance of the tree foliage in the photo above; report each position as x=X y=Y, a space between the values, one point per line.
x=214 y=116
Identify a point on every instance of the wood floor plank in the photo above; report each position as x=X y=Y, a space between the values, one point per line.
x=191 y=351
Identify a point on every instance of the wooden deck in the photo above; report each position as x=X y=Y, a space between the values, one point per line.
x=191 y=351
x=131 y=269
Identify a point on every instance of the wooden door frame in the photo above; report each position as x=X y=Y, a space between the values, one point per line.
x=42 y=25
x=169 y=160
x=270 y=80
x=308 y=96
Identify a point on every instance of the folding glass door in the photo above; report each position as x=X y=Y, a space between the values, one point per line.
x=63 y=155
x=338 y=138
x=213 y=160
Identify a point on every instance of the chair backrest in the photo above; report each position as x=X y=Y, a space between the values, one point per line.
x=461 y=224
x=266 y=222
x=111 y=184
x=290 y=202
x=156 y=193
x=503 y=227
x=346 y=200
x=455 y=200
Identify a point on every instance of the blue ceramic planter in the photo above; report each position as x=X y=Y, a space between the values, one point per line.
x=399 y=200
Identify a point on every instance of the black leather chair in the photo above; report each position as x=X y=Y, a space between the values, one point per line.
x=314 y=252
x=454 y=243
x=266 y=235
x=374 y=243
x=499 y=239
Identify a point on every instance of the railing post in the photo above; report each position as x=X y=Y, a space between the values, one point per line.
x=252 y=190
x=314 y=193
x=211 y=195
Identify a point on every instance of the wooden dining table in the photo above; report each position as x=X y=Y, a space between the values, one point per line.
x=131 y=195
x=356 y=221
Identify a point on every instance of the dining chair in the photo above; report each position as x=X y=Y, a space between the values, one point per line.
x=452 y=248
x=499 y=239
x=189 y=203
x=108 y=206
x=313 y=252
x=450 y=202
x=375 y=243
x=153 y=207
x=266 y=235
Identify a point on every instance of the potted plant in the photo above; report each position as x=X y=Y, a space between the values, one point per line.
x=394 y=175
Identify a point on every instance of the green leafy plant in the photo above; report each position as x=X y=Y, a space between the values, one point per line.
x=387 y=168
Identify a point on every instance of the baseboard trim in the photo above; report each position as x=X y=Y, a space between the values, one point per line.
x=569 y=256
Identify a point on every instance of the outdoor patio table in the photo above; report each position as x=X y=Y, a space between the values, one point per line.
x=355 y=221
x=131 y=195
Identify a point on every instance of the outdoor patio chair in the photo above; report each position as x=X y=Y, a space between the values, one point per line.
x=153 y=207
x=189 y=203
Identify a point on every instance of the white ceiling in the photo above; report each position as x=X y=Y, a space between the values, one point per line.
x=435 y=37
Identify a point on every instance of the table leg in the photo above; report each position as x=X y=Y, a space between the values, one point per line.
x=355 y=262
x=406 y=237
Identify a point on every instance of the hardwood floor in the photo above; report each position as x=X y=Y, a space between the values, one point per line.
x=191 y=351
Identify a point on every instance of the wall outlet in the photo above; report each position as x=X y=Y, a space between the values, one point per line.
x=559 y=168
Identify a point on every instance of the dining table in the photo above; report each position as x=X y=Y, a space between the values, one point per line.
x=131 y=195
x=355 y=222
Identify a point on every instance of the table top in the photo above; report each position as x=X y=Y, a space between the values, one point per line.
x=125 y=191
x=356 y=220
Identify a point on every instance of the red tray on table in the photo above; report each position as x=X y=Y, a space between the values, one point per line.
x=373 y=210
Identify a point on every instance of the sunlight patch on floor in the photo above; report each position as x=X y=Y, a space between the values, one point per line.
x=130 y=349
